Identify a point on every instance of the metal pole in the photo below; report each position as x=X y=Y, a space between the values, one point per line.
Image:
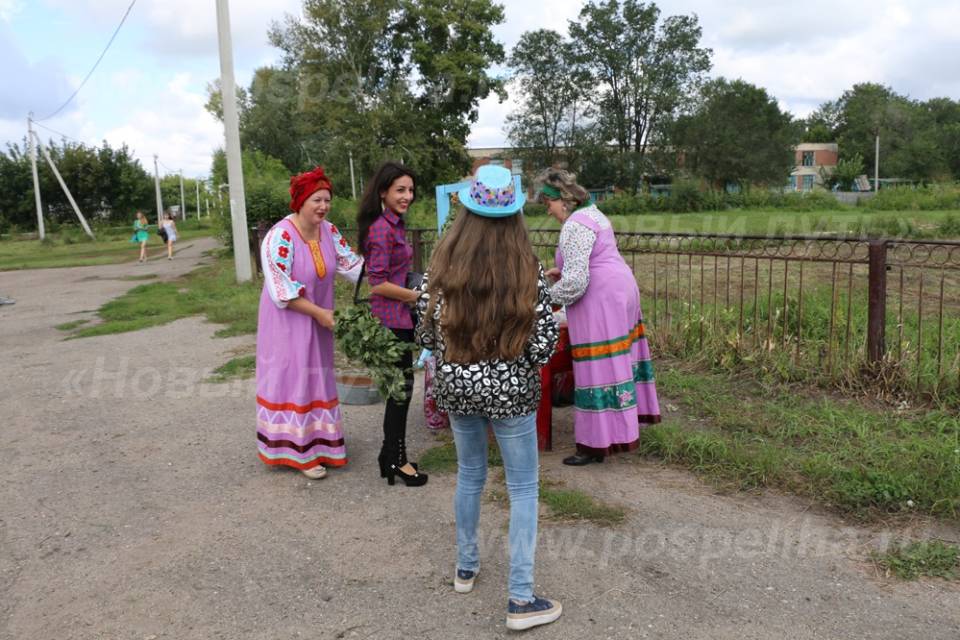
x=877 y=301
x=231 y=124
x=196 y=183
x=207 y=200
x=156 y=183
x=353 y=182
x=183 y=202
x=36 y=180
x=63 y=185
x=876 y=165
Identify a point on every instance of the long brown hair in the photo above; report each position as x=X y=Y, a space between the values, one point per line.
x=487 y=273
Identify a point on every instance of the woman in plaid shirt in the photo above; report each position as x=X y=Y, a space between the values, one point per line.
x=383 y=241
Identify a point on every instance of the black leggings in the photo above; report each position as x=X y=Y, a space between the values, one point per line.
x=395 y=415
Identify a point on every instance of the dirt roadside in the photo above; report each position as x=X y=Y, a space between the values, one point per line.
x=132 y=505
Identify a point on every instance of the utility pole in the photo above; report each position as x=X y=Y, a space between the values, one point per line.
x=231 y=125
x=36 y=180
x=353 y=183
x=183 y=202
x=197 y=185
x=66 y=190
x=156 y=182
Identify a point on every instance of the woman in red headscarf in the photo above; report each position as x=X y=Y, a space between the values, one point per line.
x=299 y=423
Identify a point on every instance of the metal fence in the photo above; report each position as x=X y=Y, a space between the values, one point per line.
x=878 y=312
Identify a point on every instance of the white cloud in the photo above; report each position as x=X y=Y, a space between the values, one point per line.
x=41 y=86
x=179 y=131
x=185 y=28
x=8 y=8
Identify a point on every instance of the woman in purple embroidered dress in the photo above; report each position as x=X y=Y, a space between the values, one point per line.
x=614 y=387
x=299 y=423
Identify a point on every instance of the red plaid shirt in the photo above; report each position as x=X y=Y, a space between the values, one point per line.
x=389 y=257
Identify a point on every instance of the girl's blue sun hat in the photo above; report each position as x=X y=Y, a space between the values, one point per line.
x=492 y=193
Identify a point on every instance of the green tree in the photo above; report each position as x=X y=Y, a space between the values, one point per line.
x=106 y=183
x=845 y=174
x=909 y=147
x=397 y=79
x=646 y=72
x=551 y=85
x=944 y=118
x=738 y=134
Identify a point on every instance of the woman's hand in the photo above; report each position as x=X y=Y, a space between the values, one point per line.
x=324 y=318
x=553 y=274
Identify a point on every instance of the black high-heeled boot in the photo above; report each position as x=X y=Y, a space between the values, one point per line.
x=395 y=469
x=383 y=460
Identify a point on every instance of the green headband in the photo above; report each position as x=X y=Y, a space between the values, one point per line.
x=550 y=192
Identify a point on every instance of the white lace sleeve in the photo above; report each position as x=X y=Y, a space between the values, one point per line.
x=349 y=263
x=576 y=244
x=276 y=258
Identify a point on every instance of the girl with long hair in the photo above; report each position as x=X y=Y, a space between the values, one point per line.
x=486 y=315
x=382 y=239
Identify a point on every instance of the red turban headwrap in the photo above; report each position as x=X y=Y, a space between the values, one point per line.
x=305 y=185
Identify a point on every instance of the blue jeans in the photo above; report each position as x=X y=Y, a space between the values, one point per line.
x=517 y=438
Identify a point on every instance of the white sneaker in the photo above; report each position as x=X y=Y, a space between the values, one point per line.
x=315 y=473
x=463 y=580
x=525 y=615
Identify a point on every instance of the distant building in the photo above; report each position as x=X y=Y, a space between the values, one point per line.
x=811 y=157
x=501 y=156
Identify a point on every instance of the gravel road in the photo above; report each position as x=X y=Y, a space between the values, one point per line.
x=132 y=506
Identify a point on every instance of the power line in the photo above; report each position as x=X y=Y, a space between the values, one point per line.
x=59 y=133
x=94 y=68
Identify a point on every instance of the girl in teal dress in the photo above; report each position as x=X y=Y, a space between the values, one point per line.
x=140 y=235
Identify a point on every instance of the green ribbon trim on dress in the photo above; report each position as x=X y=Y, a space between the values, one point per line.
x=614 y=397
x=642 y=371
x=610 y=397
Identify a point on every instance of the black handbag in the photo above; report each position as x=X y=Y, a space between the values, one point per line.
x=414 y=280
x=162 y=233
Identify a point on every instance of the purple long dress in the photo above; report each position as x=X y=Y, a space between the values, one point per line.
x=299 y=423
x=615 y=390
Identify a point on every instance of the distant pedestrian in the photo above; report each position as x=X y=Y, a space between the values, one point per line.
x=140 y=235
x=169 y=228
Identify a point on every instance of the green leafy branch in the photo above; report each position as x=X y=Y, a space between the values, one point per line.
x=362 y=339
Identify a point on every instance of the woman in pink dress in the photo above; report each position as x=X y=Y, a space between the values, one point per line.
x=299 y=423
x=614 y=390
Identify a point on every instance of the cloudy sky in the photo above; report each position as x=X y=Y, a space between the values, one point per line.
x=149 y=90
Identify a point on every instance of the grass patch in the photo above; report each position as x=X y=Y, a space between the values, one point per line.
x=565 y=504
x=903 y=223
x=70 y=326
x=573 y=504
x=863 y=461
x=72 y=248
x=933 y=559
x=211 y=291
x=240 y=368
x=443 y=457
x=144 y=276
